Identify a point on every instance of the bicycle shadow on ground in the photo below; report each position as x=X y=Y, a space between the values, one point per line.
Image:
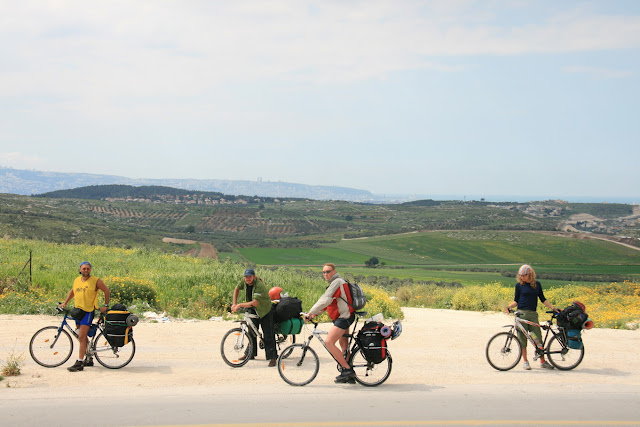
x=610 y=372
x=383 y=388
x=148 y=369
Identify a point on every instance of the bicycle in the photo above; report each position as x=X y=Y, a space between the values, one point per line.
x=298 y=364
x=236 y=346
x=504 y=350
x=52 y=346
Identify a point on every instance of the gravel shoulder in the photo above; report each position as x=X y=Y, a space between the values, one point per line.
x=437 y=348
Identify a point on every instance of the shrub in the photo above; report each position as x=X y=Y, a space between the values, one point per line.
x=378 y=301
x=13 y=364
x=481 y=298
x=125 y=290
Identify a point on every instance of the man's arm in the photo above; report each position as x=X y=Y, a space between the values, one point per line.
x=326 y=299
x=69 y=297
x=235 y=306
x=107 y=294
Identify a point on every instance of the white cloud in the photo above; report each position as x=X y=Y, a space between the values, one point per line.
x=21 y=161
x=601 y=73
x=143 y=48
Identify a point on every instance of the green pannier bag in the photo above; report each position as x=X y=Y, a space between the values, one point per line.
x=291 y=326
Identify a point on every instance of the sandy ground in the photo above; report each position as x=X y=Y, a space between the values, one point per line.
x=437 y=347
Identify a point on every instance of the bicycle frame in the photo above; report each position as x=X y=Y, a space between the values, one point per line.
x=317 y=334
x=248 y=326
x=548 y=328
x=91 y=348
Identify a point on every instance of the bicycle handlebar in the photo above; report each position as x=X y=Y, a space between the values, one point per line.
x=305 y=316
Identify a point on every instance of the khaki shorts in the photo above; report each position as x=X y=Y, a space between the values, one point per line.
x=531 y=316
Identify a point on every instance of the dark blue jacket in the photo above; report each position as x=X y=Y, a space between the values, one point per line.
x=527 y=296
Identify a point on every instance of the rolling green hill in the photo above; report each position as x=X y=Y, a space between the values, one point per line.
x=428 y=237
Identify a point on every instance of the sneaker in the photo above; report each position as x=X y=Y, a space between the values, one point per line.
x=546 y=365
x=345 y=375
x=88 y=361
x=526 y=366
x=272 y=363
x=78 y=366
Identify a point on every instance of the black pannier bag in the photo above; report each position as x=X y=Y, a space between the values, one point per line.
x=572 y=317
x=287 y=308
x=372 y=343
x=117 y=331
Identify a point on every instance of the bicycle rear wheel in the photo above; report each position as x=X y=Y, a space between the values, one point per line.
x=236 y=348
x=51 y=346
x=298 y=365
x=367 y=373
x=113 y=357
x=563 y=357
x=503 y=351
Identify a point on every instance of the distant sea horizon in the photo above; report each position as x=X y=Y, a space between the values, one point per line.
x=507 y=198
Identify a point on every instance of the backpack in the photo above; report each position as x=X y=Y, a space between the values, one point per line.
x=287 y=308
x=358 y=299
x=572 y=317
x=372 y=344
x=117 y=327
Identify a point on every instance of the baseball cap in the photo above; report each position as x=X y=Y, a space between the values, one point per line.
x=249 y=272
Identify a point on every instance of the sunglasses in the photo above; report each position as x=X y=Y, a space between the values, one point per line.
x=326 y=271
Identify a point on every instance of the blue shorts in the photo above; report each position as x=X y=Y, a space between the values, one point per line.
x=86 y=320
x=343 y=323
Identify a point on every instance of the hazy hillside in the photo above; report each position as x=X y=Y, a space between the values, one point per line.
x=152 y=193
x=132 y=216
x=26 y=182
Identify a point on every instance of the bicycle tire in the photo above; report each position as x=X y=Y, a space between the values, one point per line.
x=112 y=357
x=50 y=348
x=563 y=357
x=503 y=351
x=298 y=365
x=367 y=373
x=235 y=344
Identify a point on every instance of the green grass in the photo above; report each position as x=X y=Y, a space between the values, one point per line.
x=489 y=247
x=301 y=256
x=183 y=286
x=452 y=256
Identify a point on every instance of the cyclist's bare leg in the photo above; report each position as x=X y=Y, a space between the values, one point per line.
x=524 y=354
x=344 y=345
x=83 y=332
x=336 y=334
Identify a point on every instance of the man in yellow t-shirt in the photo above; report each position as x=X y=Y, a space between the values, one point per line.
x=85 y=291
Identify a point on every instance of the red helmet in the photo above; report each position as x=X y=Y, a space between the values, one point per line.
x=274 y=293
x=581 y=305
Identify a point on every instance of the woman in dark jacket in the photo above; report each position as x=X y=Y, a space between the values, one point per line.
x=528 y=291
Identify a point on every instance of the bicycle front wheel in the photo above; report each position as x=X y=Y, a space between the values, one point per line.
x=51 y=346
x=298 y=364
x=367 y=373
x=236 y=348
x=503 y=351
x=563 y=357
x=113 y=357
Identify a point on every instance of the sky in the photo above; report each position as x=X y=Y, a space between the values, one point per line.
x=445 y=97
